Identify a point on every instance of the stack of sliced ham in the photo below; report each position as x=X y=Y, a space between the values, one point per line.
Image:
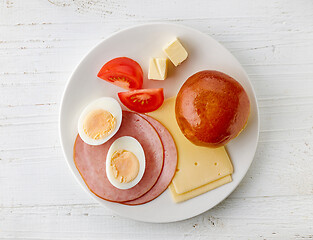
x=161 y=161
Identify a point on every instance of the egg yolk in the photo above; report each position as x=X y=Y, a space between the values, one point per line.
x=124 y=166
x=99 y=124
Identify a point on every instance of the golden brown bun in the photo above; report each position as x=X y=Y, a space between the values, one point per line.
x=211 y=108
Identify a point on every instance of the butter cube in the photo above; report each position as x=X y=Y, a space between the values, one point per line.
x=176 y=52
x=157 y=69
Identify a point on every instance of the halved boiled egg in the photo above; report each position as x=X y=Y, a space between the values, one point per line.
x=125 y=162
x=99 y=121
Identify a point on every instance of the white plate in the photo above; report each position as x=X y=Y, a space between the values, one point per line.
x=140 y=43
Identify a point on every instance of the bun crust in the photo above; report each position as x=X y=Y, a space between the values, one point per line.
x=211 y=108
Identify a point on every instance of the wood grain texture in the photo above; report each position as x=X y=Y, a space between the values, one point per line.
x=41 y=42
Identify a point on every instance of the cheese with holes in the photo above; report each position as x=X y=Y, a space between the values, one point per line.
x=198 y=191
x=175 y=52
x=197 y=165
x=157 y=69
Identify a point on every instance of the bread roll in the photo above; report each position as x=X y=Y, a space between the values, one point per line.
x=211 y=108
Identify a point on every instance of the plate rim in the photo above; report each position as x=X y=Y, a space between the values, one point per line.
x=69 y=80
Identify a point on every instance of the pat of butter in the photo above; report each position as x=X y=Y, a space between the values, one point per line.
x=158 y=69
x=176 y=52
x=197 y=165
x=198 y=191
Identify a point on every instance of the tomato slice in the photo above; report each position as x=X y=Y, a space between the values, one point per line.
x=142 y=100
x=123 y=72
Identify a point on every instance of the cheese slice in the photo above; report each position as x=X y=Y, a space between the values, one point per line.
x=176 y=52
x=157 y=69
x=197 y=165
x=198 y=191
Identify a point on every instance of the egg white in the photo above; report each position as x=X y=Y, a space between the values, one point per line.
x=106 y=103
x=132 y=145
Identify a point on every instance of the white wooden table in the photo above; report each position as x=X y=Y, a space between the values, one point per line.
x=41 y=41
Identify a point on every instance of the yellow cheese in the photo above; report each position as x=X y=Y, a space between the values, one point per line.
x=158 y=69
x=198 y=191
x=197 y=165
x=176 y=52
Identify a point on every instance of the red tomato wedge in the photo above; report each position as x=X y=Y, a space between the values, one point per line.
x=142 y=100
x=123 y=72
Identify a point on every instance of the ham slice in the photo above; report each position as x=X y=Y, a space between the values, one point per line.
x=169 y=167
x=90 y=160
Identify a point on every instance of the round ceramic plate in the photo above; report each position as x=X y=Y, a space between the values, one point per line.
x=140 y=43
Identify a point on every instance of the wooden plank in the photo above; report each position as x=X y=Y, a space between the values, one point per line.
x=254 y=218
